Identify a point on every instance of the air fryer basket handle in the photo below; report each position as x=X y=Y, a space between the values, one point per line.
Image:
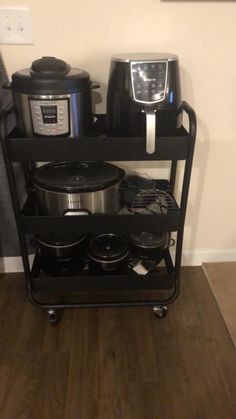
x=150 y=130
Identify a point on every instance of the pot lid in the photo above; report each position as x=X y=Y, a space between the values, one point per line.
x=108 y=248
x=50 y=76
x=77 y=176
x=148 y=240
x=48 y=67
x=52 y=240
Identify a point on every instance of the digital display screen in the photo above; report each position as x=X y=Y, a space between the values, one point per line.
x=49 y=114
x=49 y=109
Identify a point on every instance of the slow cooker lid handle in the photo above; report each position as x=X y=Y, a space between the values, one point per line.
x=49 y=67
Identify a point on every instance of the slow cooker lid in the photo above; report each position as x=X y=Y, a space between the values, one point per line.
x=108 y=247
x=148 y=240
x=50 y=76
x=77 y=177
x=52 y=240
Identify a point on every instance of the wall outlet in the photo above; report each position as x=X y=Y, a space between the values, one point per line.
x=15 y=26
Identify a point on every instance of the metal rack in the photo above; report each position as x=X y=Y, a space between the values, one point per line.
x=180 y=146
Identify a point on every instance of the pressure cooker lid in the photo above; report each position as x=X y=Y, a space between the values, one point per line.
x=50 y=76
x=149 y=240
x=108 y=248
x=77 y=177
x=47 y=67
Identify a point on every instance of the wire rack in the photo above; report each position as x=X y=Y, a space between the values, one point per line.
x=153 y=201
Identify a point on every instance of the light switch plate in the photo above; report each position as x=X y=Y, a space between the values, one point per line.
x=15 y=26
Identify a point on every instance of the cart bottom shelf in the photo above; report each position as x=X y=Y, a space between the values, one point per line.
x=162 y=279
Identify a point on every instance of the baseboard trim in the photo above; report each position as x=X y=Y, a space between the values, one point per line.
x=14 y=264
x=205 y=256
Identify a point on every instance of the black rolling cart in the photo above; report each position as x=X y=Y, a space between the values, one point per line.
x=174 y=148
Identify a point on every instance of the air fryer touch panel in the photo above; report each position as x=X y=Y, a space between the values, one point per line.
x=50 y=117
x=149 y=81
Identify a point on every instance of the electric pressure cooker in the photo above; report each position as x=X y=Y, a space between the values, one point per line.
x=52 y=99
x=77 y=188
x=144 y=96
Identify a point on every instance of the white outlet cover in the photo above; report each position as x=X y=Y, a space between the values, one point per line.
x=15 y=26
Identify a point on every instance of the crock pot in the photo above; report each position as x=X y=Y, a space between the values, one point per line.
x=52 y=99
x=149 y=245
x=69 y=188
x=62 y=249
x=108 y=253
x=61 y=257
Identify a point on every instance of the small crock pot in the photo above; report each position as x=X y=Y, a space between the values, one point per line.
x=61 y=249
x=108 y=253
x=148 y=245
x=62 y=257
x=78 y=188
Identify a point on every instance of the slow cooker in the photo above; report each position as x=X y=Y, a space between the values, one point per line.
x=147 y=245
x=81 y=188
x=52 y=99
x=62 y=256
x=108 y=253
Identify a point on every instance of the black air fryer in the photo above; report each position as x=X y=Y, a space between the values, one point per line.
x=144 y=96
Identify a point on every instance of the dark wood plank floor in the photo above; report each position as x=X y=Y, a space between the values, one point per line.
x=117 y=363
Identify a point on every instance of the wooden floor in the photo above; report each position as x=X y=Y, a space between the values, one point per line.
x=117 y=363
x=222 y=279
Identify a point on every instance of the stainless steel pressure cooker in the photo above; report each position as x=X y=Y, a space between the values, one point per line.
x=71 y=188
x=52 y=99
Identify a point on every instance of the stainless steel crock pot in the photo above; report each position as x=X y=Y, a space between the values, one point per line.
x=71 y=188
x=52 y=99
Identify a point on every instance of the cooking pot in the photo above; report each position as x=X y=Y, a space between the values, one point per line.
x=52 y=99
x=60 y=257
x=61 y=249
x=108 y=253
x=69 y=188
x=148 y=245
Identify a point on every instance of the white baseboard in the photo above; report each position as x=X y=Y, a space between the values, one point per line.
x=14 y=264
x=203 y=256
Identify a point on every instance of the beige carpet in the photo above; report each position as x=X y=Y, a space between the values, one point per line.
x=222 y=279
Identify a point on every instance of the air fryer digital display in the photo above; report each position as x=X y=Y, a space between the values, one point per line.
x=149 y=81
x=50 y=117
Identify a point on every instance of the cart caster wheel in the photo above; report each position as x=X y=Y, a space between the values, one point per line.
x=53 y=317
x=160 y=311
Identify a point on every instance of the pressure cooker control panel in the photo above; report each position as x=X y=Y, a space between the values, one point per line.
x=149 y=79
x=50 y=117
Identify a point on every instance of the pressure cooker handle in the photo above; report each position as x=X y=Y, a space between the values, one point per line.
x=75 y=211
x=95 y=85
x=150 y=130
x=7 y=85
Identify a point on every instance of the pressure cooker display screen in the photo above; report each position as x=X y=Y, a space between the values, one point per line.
x=149 y=81
x=49 y=114
x=50 y=117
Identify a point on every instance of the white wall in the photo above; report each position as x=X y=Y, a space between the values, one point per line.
x=87 y=33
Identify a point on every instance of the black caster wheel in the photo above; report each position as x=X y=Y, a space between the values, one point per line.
x=53 y=317
x=160 y=311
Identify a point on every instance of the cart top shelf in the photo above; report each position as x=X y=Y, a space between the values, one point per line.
x=100 y=147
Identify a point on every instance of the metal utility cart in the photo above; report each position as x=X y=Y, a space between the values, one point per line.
x=101 y=148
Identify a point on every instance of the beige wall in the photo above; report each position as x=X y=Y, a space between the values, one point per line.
x=86 y=33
